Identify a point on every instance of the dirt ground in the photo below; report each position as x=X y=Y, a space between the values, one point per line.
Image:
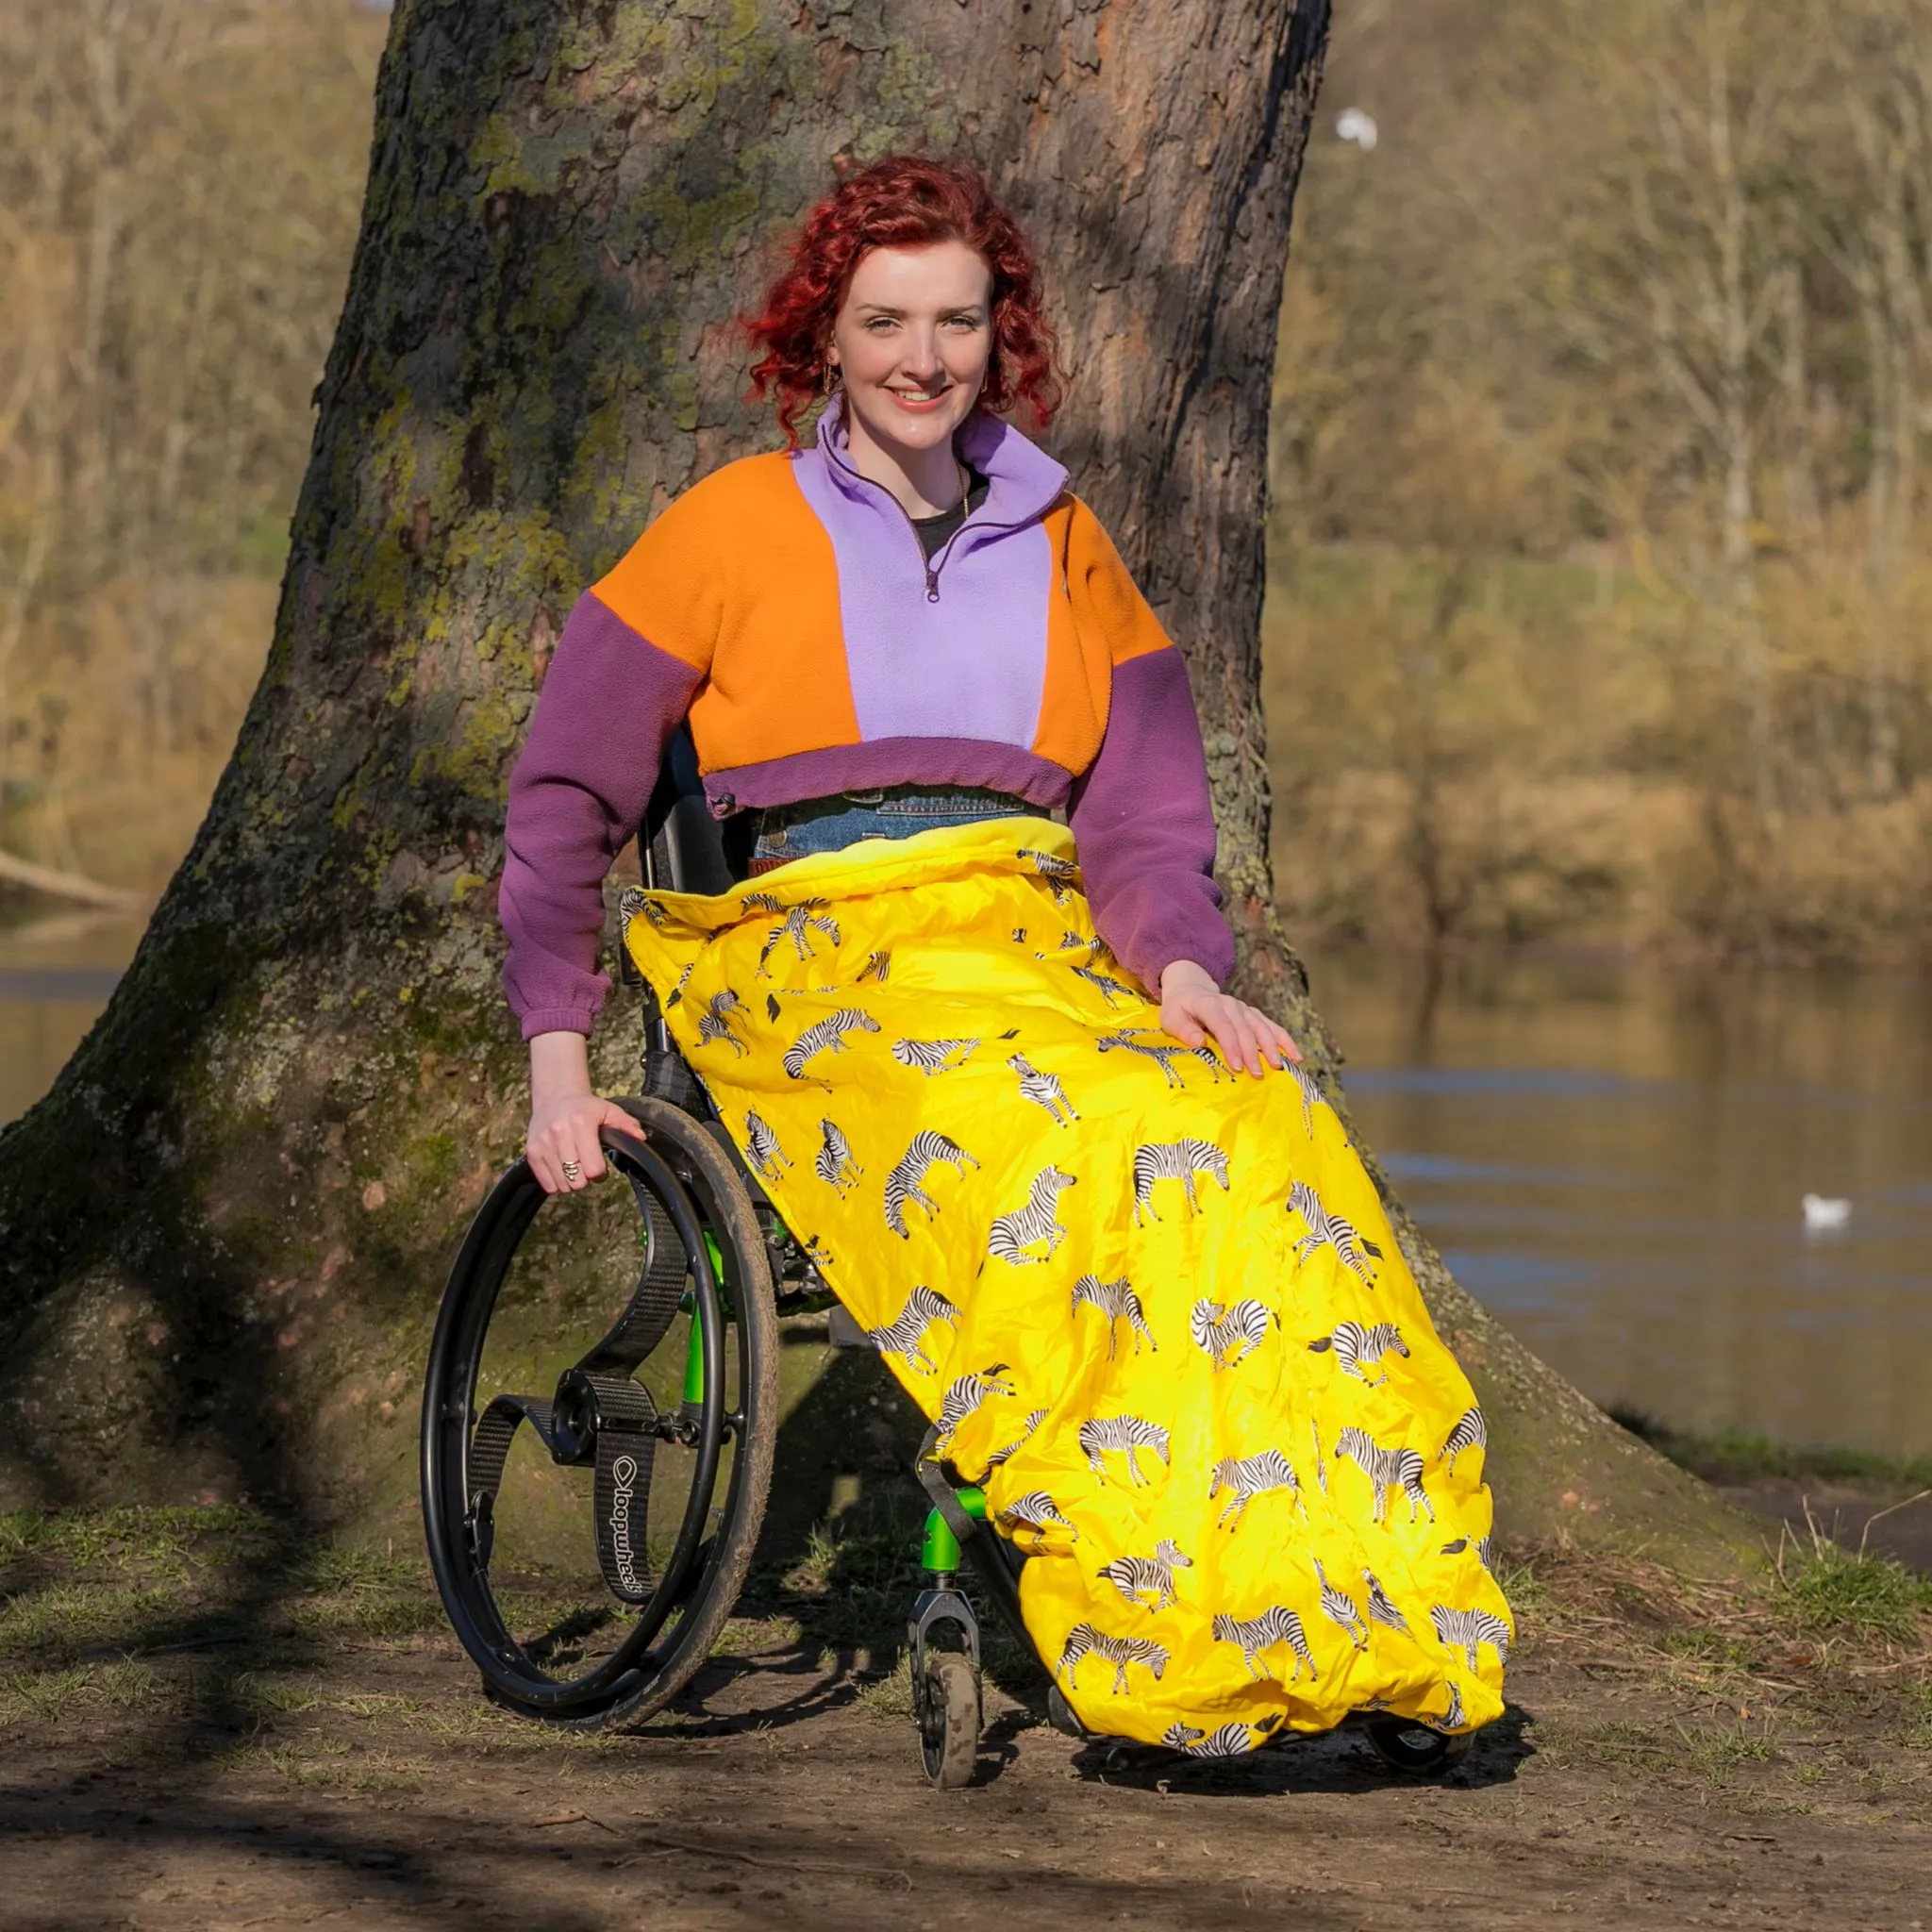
x=200 y=1729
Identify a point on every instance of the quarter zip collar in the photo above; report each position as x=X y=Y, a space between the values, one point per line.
x=1023 y=481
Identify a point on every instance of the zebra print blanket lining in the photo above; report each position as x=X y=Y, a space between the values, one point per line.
x=1153 y=1306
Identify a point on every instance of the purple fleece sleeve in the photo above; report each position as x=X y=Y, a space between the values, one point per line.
x=607 y=704
x=1143 y=821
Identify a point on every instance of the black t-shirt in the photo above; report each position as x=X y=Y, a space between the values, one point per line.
x=934 y=531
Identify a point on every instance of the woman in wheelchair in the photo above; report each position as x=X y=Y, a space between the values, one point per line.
x=962 y=1015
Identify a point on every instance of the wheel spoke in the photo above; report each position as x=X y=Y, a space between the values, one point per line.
x=653 y=1306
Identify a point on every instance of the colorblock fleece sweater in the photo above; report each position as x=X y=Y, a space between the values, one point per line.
x=785 y=606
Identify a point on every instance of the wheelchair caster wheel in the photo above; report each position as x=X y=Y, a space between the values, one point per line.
x=1413 y=1749
x=1060 y=1714
x=949 y=1725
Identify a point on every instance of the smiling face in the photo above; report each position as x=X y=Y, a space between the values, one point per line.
x=912 y=343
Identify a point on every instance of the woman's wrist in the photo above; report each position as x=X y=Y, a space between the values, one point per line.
x=1184 y=976
x=559 y=1067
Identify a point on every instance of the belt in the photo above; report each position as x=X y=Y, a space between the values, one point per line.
x=776 y=818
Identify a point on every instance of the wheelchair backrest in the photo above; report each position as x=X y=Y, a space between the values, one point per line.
x=681 y=847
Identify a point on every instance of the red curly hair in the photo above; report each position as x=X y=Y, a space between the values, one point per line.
x=904 y=201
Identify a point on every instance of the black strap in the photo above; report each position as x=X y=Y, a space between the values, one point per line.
x=653 y=1304
x=626 y=1420
x=490 y=1445
x=626 y=1438
x=932 y=1479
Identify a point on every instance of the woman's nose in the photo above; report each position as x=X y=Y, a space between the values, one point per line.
x=921 y=357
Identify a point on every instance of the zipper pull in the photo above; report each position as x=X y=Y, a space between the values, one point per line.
x=932 y=585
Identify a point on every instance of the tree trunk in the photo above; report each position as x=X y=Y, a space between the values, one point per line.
x=222 y=1234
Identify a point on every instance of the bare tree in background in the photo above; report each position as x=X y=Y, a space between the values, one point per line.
x=1716 y=277
x=178 y=182
x=1878 y=236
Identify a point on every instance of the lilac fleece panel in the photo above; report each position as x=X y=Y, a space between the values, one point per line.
x=1143 y=819
x=970 y=663
x=889 y=761
x=608 y=703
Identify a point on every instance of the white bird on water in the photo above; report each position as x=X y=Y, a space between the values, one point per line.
x=1822 y=1213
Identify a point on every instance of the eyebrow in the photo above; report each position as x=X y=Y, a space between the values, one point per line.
x=957 y=309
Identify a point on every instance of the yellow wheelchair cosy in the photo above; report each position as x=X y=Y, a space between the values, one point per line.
x=1153 y=1306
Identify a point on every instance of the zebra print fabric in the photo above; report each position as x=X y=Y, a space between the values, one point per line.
x=1135 y=1577
x=1227 y=1335
x=1152 y=1305
x=905 y=1337
x=903 y=1184
x=1118 y=1302
x=1253 y=1635
x=1356 y=1346
x=1387 y=1469
x=1121 y=1652
x=1012 y=1234
x=1174 y=1160
x=826 y=1036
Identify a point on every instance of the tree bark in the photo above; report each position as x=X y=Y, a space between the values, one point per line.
x=222 y=1234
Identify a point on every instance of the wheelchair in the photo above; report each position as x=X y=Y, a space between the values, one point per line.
x=681 y=1274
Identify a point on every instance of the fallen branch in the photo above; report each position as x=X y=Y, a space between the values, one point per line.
x=65 y=885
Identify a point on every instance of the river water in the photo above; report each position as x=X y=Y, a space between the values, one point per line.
x=1611 y=1157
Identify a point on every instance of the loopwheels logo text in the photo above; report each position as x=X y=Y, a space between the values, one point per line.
x=624 y=1477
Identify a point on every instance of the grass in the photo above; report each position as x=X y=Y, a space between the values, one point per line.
x=77 y=1583
x=1735 y=1455
x=757 y=1636
x=1916 y=1718
x=1718 y=1751
x=169 y=1540
x=65 y=1619
x=1714 y=1754
x=1518 y=1581
x=1832 y=1592
x=1710 y=1650
x=64 y=1696
x=889 y=1696
x=857 y=1577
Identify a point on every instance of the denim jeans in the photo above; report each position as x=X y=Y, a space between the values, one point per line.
x=828 y=824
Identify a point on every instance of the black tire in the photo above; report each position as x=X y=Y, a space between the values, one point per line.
x=949 y=1732
x=711 y=1459
x=1413 y=1748
x=1060 y=1714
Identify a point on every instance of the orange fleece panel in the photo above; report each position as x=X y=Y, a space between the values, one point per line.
x=1097 y=619
x=737 y=577
x=1105 y=594
x=1073 y=698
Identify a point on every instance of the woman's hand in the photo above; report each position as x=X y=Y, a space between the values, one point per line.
x=563 y=1146
x=1193 y=1008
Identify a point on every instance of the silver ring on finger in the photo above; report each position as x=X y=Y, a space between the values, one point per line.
x=573 y=1173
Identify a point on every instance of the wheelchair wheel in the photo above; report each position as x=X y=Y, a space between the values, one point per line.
x=1413 y=1749
x=949 y=1721
x=589 y=1560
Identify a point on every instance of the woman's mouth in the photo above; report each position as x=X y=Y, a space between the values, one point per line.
x=920 y=401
